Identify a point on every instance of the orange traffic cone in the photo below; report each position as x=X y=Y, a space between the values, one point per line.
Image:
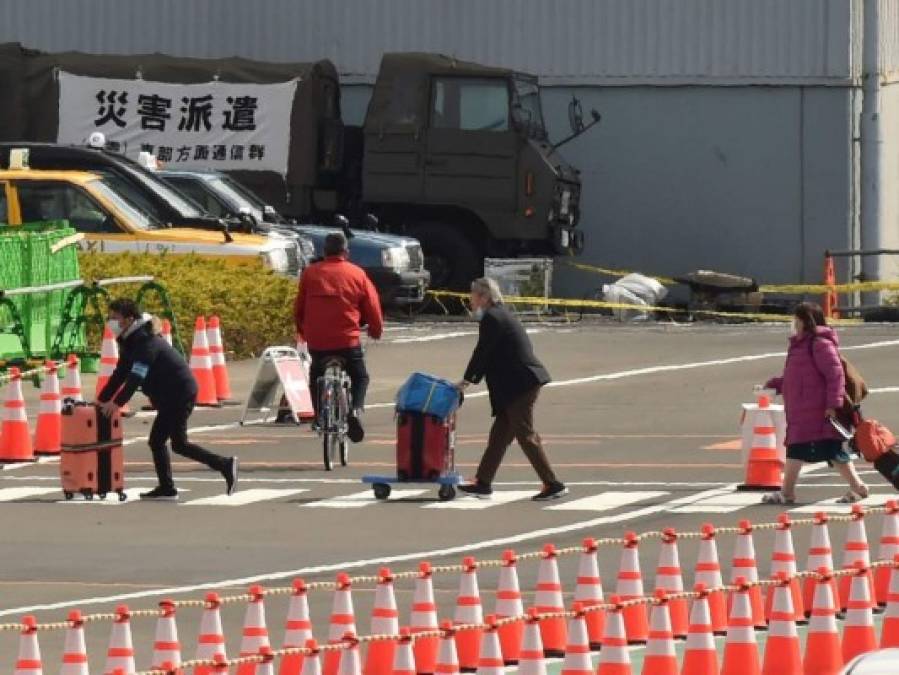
x=349 y=656
x=508 y=604
x=588 y=591
x=531 y=660
x=74 y=656
x=166 y=648
x=708 y=573
x=764 y=467
x=783 y=559
x=548 y=600
x=700 y=654
x=744 y=565
x=661 y=658
x=384 y=621
x=468 y=611
x=823 y=655
x=613 y=657
x=819 y=555
x=889 y=634
x=15 y=437
x=858 y=630
x=741 y=654
x=109 y=358
x=447 y=656
x=71 y=384
x=343 y=619
x=855 y=550
x=783 y=653
x=267 y=666
x=404 y=657
x=217 y=354
x=424 y=619
x=670 y=579
x=211 y=641
x=48 y=434
x=577 y=651
x=120 y=653
x=201 y=366
x=311 y=662
x=630 y=586
x=167 y=332
x=297 y=630
x=490 y=660
x=889 y=547
x=29 y=658
x=255 y=632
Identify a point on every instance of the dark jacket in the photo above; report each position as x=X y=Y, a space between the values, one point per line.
x=505 y=357
x=148 y=362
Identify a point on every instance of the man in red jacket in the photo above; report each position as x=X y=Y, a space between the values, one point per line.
x=335 y=299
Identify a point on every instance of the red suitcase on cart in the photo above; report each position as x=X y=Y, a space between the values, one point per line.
x=92 y=460
x=424 y=446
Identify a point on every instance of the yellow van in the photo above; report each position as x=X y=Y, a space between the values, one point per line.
x=113 y=224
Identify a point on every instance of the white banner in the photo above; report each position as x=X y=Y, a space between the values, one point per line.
x=213 y=125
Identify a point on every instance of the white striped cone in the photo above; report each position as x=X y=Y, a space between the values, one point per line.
x=614 y=658
x=468 y=611
x=15 y=437
x=783 y=559
x=166 y=648
x=744 y=565
x=74 y=657
x=447 y=655
x=548 y=599
x=629 y=586
x=764 y=467
x=424 y=618
x=384 y=621
x=822 y=645
x=669 y=578
x=120 y=654
x=297 y=630
x=508 y=604
x=28 y=661
x=741 y=654
x=783 y=653
x=109 y=358
x=819 y=555
x=858 y=628
x=577 y=651
x=201 y=366
x=588 y=590
x=255 y=632
x=889 y=547
x=217 y=356
x=311 y=661
x=855 y=549
x=490 y=660
x=889 y=635
x=343 y=620
x=48 y=433
x=404 y=657
x=700 y=653
x=167 y=332
x=531 y=660
x=708 y=573
x=349 y=656
x=267 y=667
x=660 y=658
x=71 y=384
x=211 y=640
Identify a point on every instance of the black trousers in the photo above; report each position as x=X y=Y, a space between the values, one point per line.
x=171 y=424
x=355 y=368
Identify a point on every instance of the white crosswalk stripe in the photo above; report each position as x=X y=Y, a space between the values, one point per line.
x=474 y=504
x=360 y=499
x=725 y=502
x=605 y=501
x=831 y=506
x=24 y=492
x=244 y=497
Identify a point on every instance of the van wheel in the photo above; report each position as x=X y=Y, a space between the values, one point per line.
x=450 y=256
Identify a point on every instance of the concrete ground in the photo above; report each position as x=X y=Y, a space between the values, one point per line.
x=642 y=423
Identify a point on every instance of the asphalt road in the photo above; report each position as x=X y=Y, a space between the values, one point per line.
x=642 y=423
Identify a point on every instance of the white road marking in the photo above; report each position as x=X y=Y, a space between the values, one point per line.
x=360 y=499
x=12 y=493
x=831 y=506
x=475 y=504
x=45 y=459
x=244 y=497
x=605 y=501
x=722 y=503
x=432 y=338
x=883 y=390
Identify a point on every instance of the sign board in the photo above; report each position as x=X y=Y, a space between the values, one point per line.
x=528 y=277
x=218 y=125
x=281 y=371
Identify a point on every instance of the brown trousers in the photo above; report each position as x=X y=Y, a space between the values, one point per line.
x=515 y=421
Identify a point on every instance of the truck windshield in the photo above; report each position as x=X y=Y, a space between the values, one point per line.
x=138 y=219
x=235 y=197
x=528 y=108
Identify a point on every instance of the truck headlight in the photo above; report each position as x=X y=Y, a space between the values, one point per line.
x=565 y=202
x=276 y=259
x=396 y=258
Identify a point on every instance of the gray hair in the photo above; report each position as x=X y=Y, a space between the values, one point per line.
x=488 y=288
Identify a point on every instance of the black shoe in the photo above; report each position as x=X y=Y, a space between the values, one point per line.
x=354 y=428
x=551 y=491
x=230 y=474
x=160 y=494
x=477 y=489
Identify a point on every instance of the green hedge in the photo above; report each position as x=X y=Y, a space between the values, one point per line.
x=254 y=304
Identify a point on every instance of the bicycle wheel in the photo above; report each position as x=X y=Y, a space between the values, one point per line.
x=344 y=450
x=329 y=441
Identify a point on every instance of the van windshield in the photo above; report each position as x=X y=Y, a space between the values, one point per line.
x=137 y=218
x=528 y=107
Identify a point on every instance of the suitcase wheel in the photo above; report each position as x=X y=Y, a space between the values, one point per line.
x=88 y=495
x=381 y=490
x=446 y=493
x=122 y=496
x=69 y=495
x=101 y=495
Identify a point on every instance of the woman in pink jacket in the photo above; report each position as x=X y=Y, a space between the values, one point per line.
x=812 y=385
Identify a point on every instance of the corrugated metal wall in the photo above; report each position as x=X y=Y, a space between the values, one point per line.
x=566 y=42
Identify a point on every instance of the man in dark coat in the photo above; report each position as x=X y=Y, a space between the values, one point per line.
x=505 y=358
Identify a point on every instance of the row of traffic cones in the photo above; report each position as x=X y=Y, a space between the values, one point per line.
x=207 y=362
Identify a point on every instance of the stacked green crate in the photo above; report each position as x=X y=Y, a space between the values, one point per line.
x=12 y=275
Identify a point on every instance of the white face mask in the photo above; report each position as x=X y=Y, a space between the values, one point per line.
x=115 y=327
x=478 y=314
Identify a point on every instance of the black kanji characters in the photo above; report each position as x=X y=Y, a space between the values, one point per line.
x=219 y=153
x=153 y=111
x=183 y=154
x=165 y=153
x=201 y=153
x=236 y=153
x=257 y=152
x=242 y=116
x=196 y=113
x=113 y=104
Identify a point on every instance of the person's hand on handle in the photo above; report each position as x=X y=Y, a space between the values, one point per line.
x=109 y=408
x=462 y=385
x=830 y=413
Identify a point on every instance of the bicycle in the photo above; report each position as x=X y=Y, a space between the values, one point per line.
x=335 y=401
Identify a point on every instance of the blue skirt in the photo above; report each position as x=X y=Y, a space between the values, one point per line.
x=829 y=450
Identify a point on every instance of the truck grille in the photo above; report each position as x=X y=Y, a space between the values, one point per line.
x=416 y=258
x=293 y=258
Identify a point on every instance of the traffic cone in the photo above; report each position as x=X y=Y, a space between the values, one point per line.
x=858 y=629
x=468 y=611
x=384 y=621
x=297 y=630
x=167 y=332
x=783 y=653
x=508 y=604
x=889 y=633
x=311 y=662
x=744 y=565
x=490 y=660
x=201 y=366
x=548 y=600
x=613 y=657
x=424 y=619
x=819 y=555
x=764 y=466
x=660 y=658
x=15 y=437
x=255 y=632
x=783 y=559
x=29 y=658
x=708 y=573
x=48 y=433
x=741 y=654
x=700 y=654
x=217 y=354
x=823 y=655
x=531 y=660
x=343 y=619
x=120 y=654
x=588 y=591
x=889 y=547
x=74 y=656
x=855 y=550
x=267 y=666
x=166 y=648
x=404 y=657
x=349 y=656
x=109 y=358
x=630 y=586
x=670 y=579
x=211 y=641
x=71 y=384
x=447 y=655
x=577 y=650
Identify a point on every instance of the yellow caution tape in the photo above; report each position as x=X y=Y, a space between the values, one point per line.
x=605 y=271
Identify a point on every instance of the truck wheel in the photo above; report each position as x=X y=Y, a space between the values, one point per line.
x=450 y=256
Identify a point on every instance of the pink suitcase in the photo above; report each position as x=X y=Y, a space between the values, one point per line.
x=92 y=460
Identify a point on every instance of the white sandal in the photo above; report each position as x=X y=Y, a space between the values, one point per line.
x=851 y=497
x=777 y=498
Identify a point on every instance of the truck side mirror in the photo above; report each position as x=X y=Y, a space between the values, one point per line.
x=341 y=221
x=522 y=118
x=371 y=221
x=576 y=115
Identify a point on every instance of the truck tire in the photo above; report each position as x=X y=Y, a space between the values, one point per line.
x=450 y=256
